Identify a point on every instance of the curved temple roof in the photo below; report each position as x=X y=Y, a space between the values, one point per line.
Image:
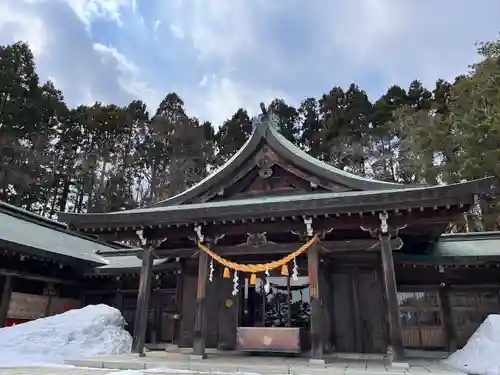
x=358 y=193
x=266 y=129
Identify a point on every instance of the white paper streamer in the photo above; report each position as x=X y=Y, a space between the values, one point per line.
x=211 y=274
x=267 y=286
x=235 y=283
x=295 y=273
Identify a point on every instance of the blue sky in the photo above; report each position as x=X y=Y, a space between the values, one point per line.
x=220 y=55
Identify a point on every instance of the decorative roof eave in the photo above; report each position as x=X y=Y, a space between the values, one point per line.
x=286 y=206
x=34 y=236
x=266 y=129
x=29 y=252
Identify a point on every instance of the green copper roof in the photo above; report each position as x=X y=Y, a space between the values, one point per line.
x=467 y=244
x=461 y=248
x=34 y=235
x=275 y=206
x=266 y=130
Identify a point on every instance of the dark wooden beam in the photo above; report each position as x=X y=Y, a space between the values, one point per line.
x=422 y=221
x=120 y=253
x=29 y=276
x=317 y=322
x=141 y=313
x=391 y=297
x=200 y=323
x=5 y=300
x=326 y=247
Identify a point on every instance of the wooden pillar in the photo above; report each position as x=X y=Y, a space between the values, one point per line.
x=391 y=297
x=317 y=316
x=142 y=310
x=50 y=291
x=5 y=300
x=451 y=335
x=325 y=292
x=200 y=322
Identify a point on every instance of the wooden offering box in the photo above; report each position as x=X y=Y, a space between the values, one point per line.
x=269 y=339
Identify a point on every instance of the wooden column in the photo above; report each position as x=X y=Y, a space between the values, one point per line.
x=200 y=322
x=5 y=301
x=391 y=297
x=50 y=292
x=142 y=310
x=317 y=316
x=451 y=335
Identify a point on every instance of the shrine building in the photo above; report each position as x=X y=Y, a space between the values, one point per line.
x=279 y=252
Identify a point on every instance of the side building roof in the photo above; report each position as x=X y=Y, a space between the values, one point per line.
x=459 y=248
x=33 y=235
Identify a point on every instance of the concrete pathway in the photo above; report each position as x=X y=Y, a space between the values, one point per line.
x=343 y=369
x=182 y=364
x=265 y=365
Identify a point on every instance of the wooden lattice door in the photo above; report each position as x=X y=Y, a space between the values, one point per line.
x=421 y=320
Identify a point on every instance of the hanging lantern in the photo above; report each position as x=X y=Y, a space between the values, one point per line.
x=227 y=274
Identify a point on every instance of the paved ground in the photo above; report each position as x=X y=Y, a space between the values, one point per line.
x=419 y=370
x=179 y=362
x=128 y=365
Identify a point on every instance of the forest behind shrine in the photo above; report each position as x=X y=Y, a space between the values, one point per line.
x=108 y=157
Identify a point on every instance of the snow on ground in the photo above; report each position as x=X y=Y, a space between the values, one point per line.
x=481 y=354
x=91 y=331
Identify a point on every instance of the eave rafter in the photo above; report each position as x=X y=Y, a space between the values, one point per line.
x=416 y=219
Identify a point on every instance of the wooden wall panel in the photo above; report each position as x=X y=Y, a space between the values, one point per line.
x=190 y=283
x=358 y=311
x=372 y=311
x=343 y=312
x=212 y=310
x=228 y=314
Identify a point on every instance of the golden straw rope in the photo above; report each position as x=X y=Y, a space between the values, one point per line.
x=258 y=267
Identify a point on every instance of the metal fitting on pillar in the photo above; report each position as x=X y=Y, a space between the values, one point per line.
x=199 y=234
x=140 y=234
x=384 y=227
x=309 y=229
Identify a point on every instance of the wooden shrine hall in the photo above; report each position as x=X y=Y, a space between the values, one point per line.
x=280 y=252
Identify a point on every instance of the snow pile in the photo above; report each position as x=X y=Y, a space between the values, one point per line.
x=90 y=331
x=481 y=354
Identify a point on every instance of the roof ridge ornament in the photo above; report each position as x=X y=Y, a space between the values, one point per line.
x=268 y=118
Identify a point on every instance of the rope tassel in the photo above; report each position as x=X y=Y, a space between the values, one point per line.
x=227 y=274
x=253 y=279
x=284 y=270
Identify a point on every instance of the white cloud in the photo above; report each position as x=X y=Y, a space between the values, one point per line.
x=217 y=28
x=122 y=63
x=221 y=55
x=176 y=31
x=64 y=50
x=21 y=24
x=223 y=97
x=399 y=41
x=90 y=10
x=129 y=77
